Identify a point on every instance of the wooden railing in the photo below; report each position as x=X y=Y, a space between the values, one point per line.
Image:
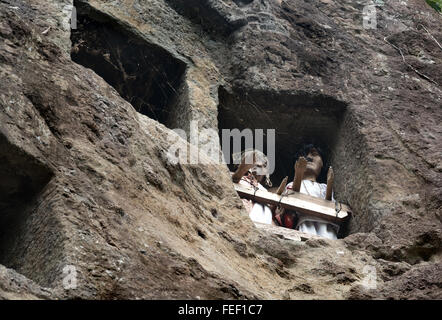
x=299 y=202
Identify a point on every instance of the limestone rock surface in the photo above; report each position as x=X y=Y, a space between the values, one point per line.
x=88 y=190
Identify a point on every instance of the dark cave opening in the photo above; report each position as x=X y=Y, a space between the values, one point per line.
x=297 y=119
x=144 y=74
x=22 y=180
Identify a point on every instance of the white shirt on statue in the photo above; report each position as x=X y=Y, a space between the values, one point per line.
x=313 y=225
x=257 y=212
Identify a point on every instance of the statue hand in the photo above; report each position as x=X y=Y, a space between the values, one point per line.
x=282 y=186
x=247 y=162
x=301 y=164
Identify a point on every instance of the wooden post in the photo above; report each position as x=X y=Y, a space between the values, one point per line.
x=330 y=179
x=282 y=186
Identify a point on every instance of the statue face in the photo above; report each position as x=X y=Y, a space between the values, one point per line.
x=259 y=171
x=314 y=163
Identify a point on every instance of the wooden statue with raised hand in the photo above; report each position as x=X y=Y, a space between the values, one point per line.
x=251 y=171
x=308 y=167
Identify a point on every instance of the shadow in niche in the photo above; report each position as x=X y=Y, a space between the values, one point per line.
x=22 y=179
x=144 y=74
x=297 y=118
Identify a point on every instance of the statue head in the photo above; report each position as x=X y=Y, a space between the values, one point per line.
x=260 y=168
x=315 y=162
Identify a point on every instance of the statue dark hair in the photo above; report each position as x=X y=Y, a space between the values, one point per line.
x=304 y=150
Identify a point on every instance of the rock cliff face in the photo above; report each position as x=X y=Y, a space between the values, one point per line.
x=92 y=207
